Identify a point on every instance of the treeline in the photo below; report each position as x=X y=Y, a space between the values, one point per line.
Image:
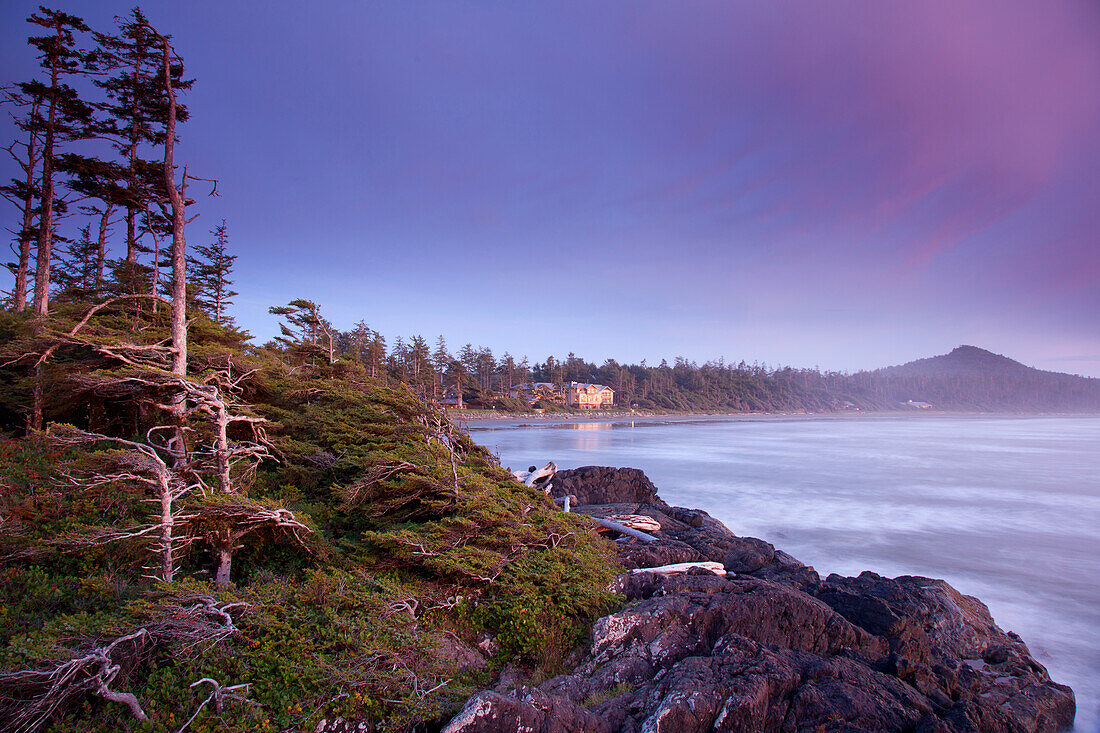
x=966 y=379
x=484 y=380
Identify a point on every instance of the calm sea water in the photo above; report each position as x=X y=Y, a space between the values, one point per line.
x=1005 y=509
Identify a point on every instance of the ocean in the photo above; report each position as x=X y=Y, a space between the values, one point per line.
x=1004 y=508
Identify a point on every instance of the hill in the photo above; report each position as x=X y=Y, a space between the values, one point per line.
x=971 y=378
x=963 y=360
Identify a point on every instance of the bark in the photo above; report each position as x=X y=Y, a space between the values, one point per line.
x=25 y=237
x=167 y=523
x=179 y=259
x=37 y=401
x=101 y=252
x=132 y=186
x=225 y=564
x=45 y=226
x=221 y=447
x=124 y=698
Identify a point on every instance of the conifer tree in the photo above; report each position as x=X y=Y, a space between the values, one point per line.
x=62 y=116
x=211 y=275
x=306 y=330
x=23 y=192
x=76 y=267
x=137 y=109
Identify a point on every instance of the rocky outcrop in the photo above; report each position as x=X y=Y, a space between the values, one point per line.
x=770 y=646
x=605 y=485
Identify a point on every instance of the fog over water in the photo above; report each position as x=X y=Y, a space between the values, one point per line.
x=1004 y=508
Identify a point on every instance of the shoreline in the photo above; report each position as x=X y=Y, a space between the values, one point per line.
x=724 y=631
x=494 y=419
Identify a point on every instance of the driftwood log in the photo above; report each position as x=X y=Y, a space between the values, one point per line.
x=682 y=567
x=636 y=521
x=623 y=529
x=538 y=478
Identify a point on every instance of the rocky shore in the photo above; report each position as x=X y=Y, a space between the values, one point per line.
x=771 y=646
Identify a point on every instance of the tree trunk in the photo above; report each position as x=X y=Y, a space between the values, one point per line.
x=20 y=293
x=167 y=522
x=179 y=259
x=45 y=224
x=37 y=401
x=101 y=252
x=131 y=204
x=223 y=574
x=221 y=448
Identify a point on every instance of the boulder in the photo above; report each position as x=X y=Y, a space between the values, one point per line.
x=605 y=485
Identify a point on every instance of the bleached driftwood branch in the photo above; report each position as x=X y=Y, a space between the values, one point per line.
x=682 y=567
x=219 y=695
x=538 y=478
x=623 y=529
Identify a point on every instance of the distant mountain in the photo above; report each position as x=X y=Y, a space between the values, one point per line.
x=970 y=378
x=963 y=360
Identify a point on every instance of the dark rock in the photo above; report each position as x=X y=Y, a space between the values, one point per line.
x=664 y=551
x=459 y=654
x=605 y=485
x=524 y=709
x=952 y=649
x=770 y=647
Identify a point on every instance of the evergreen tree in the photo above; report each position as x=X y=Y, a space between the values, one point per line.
x=76 y=267
x=306 y=331
x=211 y=272
x=136 y=112
x=23 y=192
x=61 y=116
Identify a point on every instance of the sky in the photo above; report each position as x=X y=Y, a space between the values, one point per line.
x=845 y=185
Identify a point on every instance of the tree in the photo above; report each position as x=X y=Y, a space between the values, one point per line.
x=23 y=192
x=210 y=275
x=137 y=111
x=440 y=359
x=306 y=330
x=67 y=117
x=76 y=269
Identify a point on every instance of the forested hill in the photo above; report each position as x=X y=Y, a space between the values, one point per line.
x=967 y=361
x=970 y=378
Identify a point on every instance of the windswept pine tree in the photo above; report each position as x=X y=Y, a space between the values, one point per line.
x=23 y=191
x=61 y=116
x=212 y=269
x=135 y=113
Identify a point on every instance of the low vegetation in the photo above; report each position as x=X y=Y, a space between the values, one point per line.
x=408 y=544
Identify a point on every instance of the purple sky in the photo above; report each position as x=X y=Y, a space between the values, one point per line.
x=843 y=184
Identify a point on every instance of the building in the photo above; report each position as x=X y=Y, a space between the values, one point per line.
x=535 y=391
x=588 y=396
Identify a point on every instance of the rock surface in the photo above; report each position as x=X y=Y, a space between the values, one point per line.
x=771 y=646
x=605 y=485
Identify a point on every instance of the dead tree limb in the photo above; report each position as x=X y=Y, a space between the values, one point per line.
x=219 y=695
x=150 y=469
x=45 y=692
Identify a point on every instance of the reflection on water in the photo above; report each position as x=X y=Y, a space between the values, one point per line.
x=1006 y=509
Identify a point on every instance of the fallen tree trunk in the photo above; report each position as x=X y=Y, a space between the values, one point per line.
x=623 y=529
